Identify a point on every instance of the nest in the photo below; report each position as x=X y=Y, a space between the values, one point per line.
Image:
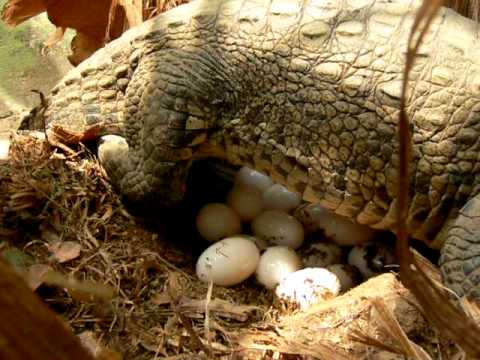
x=132 y=292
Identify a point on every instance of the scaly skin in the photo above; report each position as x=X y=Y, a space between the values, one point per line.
x=305 y=91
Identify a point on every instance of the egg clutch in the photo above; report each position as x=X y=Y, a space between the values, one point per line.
x=301 y=251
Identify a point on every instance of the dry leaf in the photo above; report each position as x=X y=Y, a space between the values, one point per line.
x=68 y=137
x=66 y=250
x=111 y=18
x=16 y=12
x=37 y=275
x=75 y=15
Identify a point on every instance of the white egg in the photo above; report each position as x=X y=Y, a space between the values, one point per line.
x=228 y=262
x=216 y=221
x=250 y=177
x=278 y=197
x=109 y=146
x=348 y=275
x=308 y=287
x=277 y=227
x=275 y=264
x=4 y=149
x=339 y=228
x=321 y=254
x=371 y=259
x=246 y=201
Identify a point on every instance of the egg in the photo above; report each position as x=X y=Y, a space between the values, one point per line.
x=109 y=146
x=250 y=177
x=246 y=201
x=216 y=221
x=4 y=149
x=321 y=254
x=371 y=259
x=279 y=228
x=308 y=287
x=275 y=264
x=339 y=228
x=348 y=275
x=228 y=262
x=278 y=197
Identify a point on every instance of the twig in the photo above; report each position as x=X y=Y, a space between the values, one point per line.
x=207 y=312
x=175 y=300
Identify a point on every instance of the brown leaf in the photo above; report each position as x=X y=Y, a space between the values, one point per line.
x=16 y=12
x=66 y=250
x=69 y=137
x=111 y=18
x=37 y=274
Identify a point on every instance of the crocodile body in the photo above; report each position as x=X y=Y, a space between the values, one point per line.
x=305 y=91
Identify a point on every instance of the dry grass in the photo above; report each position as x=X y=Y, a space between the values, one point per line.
x=158 y=307
x=47 y=197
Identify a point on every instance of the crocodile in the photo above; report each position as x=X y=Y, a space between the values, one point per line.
x=306 y=91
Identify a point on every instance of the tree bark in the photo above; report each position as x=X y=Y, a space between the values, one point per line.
x=29 y=330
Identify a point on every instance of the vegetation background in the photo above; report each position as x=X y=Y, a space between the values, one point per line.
x=23 y=67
